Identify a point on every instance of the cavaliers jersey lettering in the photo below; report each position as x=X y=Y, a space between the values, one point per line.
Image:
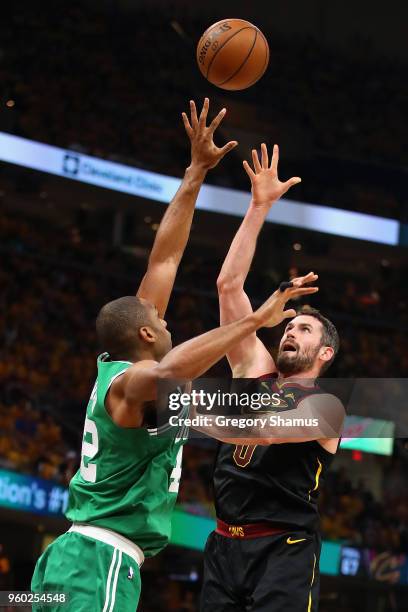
x=278 y=483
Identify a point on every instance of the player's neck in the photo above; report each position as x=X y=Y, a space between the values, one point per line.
x=143 y=355
x=134 y=356
x=307 y=377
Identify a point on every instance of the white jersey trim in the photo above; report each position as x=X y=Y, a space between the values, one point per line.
x=113 y=379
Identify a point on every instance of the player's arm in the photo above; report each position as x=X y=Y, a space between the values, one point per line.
x=174 y=229
x=249 y=358
x=191 y=359
x=318 y=417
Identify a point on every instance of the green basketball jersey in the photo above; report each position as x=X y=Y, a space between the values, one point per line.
x=129 y=477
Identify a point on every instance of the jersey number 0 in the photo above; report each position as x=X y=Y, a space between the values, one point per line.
x=243 y=454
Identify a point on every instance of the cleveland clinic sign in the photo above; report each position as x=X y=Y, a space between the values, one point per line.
x=161 y=188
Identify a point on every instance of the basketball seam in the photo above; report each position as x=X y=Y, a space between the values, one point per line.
x=265 y=62
x=243 y=63
x=223 y=45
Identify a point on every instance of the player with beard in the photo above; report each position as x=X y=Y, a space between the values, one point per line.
x=264 y=554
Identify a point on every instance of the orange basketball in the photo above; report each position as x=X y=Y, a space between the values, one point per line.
x=233 y=54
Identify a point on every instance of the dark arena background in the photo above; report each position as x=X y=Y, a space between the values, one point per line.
x=92 y=147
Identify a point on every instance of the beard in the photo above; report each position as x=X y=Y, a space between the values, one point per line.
x=296 y=362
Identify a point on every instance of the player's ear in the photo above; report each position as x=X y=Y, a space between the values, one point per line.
x=326 y=353
x=147 y=334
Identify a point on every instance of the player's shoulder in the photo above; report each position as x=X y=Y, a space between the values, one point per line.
x=130 y=393
x=139 y=369
x=328 y=408
x=323 y=399
x=329 y=398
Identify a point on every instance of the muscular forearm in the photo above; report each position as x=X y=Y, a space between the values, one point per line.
x=194 y=357
x=241 y=253
x=174 y=229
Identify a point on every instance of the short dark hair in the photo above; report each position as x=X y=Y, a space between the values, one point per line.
x=117 y=326
x=330 y=336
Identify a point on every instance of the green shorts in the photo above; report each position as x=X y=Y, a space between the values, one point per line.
x=97 y=577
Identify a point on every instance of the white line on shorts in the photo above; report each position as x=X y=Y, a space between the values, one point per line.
x=105 y=607
x=115 y=581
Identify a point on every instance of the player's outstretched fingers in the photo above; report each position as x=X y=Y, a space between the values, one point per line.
x=228 y=147
x=187 y=125
x=256 y=161
x=296 y=292
x=287 y=285
x=275 y=158
x=265 y=160
x=307 y=276
x=249 y=170
x=204 y=113
x=304 y=280
x=295 y=180
x=193 y=111
x=217 y=120
x=289 y=314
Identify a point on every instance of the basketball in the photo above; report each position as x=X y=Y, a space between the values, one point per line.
x=233 y=54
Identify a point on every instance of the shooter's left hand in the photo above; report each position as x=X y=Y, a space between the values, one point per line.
x=266 y=186
x=204 y=153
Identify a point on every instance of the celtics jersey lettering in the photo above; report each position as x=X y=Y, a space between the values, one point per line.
x=128 y=479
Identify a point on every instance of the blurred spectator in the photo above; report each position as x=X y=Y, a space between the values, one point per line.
x=51 y=293
x=340 y=119
x=51 y=296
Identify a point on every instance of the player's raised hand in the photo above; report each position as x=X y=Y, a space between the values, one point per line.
x=266 y=186
x=204 y=153
x=273 y=312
